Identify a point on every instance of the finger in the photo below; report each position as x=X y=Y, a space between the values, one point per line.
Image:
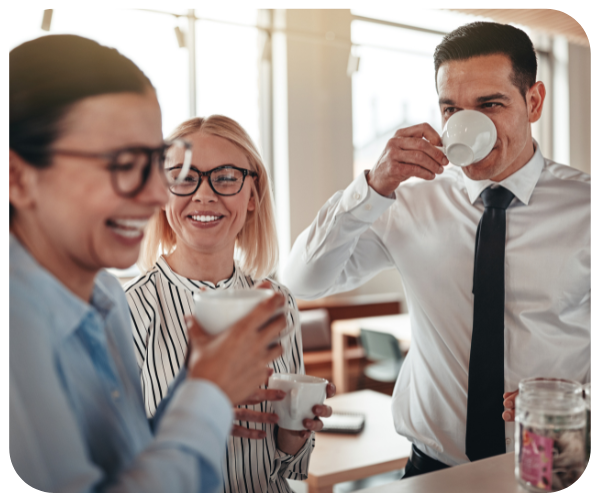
x=263 y=395
x=313 y=424
x=269 y=332
x=330 y=390
x=509 y=403
x=416 y=145
x=240 y=431
x=271 y=354
x=421 y=130
x=508 y=416
x=411 y=170
x=255 y=416
x=510 y=393
x=322 y=410
x=195 y=332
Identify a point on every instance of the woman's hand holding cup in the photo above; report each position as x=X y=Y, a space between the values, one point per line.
x=236 y=360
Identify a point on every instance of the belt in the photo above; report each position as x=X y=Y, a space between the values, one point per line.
x=423 y=462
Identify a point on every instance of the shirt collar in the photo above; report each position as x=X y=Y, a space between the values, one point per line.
x=520 y=183
x=195 y=285
x=68 y=311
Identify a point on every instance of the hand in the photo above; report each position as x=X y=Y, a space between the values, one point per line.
x=411 y=152
x=509 y=404
x=236 y=360
x=257 y=397
x=291 y=441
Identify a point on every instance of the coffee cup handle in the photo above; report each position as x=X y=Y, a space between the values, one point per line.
x=294 y=403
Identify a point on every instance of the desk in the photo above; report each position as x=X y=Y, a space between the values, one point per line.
x=377 y=449
x=397 y=325
x=495 y=474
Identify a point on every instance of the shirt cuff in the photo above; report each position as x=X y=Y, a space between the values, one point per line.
x=363 y=202
x=199 y=418
x=296 y=467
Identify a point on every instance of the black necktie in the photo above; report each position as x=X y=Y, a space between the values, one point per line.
x=485 y=426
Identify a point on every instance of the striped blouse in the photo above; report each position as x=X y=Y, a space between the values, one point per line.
x=158 y=302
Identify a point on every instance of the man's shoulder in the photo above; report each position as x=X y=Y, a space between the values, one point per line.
x=568 y=175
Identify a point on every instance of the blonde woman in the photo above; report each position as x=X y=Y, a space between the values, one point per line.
x=223 y=209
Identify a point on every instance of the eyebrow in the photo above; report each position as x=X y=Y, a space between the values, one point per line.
x=482 y=99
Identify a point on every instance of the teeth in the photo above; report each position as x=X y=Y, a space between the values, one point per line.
x=131 y=224
x=127 y=233
x=205 y=219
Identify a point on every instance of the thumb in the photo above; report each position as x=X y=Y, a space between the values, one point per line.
x=196 y=334
x=263 y=284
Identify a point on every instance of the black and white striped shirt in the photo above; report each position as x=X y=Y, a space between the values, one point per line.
x=158 y=302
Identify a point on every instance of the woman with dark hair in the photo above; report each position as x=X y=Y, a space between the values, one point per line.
x=85 y=137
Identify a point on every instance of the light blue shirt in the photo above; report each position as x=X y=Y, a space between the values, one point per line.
x=77 y=420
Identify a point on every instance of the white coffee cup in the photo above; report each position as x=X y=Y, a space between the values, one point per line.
x=302 y=394
x=468 y=137
x=219 y=309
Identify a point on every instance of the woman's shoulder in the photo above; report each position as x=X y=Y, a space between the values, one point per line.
x=141 y=281
x=279 y=287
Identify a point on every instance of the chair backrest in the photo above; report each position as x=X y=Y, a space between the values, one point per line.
x=316 y=332
x=380 y=345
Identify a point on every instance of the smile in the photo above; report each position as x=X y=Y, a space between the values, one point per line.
x=128 y=228
x=205 y=219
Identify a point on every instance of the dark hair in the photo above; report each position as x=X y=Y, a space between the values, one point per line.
x=50 y=74
x=484 y=38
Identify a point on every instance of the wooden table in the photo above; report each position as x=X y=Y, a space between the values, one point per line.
x=495 y=474
x=342 y=307
x=341 y=330
x=377 y=449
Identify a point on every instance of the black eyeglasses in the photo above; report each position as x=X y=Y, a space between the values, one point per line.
x=225 y=180
x=131 y=167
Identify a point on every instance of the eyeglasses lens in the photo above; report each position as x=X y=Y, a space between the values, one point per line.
x=129 y=170
x=227 y=181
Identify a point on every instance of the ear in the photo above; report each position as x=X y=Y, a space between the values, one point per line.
x=251 y=202
x=21 y=183
x=535 y=101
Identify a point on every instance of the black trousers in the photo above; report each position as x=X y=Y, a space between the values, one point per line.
x=420 y=463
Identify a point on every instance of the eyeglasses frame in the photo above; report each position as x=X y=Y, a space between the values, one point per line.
x=245 y=172
x=150 y=152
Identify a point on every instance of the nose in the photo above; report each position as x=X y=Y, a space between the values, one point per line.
x=204 y=193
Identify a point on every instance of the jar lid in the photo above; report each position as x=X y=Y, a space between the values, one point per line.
x=551 y=403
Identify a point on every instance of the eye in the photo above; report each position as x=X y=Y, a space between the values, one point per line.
x=491 y=105
x=449 y=110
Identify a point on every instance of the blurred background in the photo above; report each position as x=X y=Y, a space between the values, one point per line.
x=321 y=91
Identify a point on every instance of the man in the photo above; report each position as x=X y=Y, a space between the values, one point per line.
x=479 y=327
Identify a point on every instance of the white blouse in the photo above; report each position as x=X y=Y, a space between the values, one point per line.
x=158 y=302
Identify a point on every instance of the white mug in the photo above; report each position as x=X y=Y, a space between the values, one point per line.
x=302 y=394
x=217 y=310
x=468 y=137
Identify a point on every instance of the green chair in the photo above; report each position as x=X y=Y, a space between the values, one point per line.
x=382 y=349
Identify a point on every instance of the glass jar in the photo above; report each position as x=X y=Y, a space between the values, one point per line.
x=546 y=384
x=587 y=397
x=549 y=435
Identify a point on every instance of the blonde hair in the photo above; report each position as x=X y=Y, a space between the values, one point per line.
x=256 y=243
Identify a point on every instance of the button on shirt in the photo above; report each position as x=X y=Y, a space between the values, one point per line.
x=77 y=420
x=427 y=231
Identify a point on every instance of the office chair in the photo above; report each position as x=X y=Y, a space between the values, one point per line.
x=383 y=349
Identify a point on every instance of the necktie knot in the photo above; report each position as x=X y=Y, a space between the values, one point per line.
x=496 y=198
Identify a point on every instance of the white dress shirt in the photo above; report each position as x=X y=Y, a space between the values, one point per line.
x=158 y=302
x=427 y=231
